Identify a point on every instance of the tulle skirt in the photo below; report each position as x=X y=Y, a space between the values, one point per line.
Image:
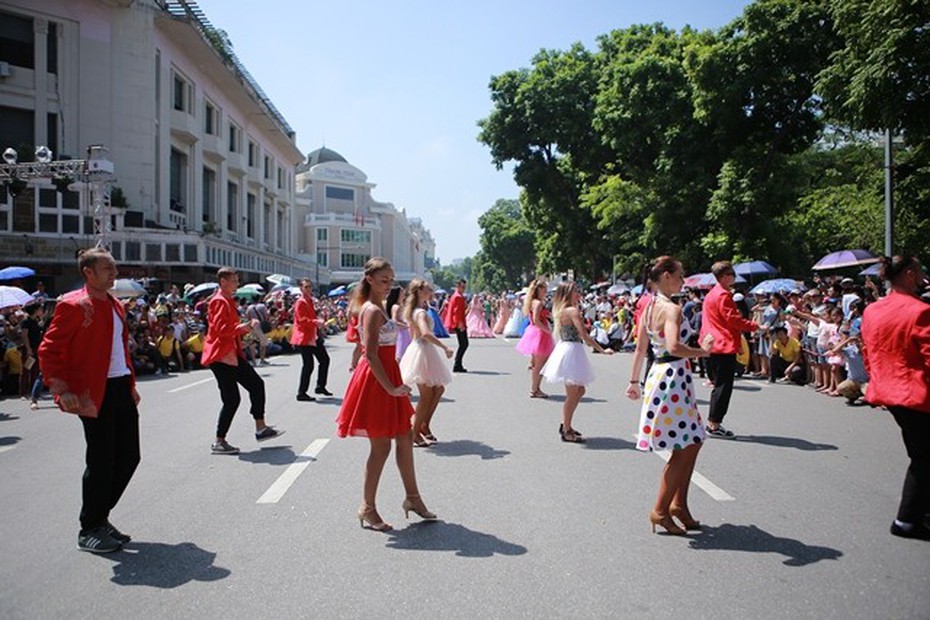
x=512 y=329
x=477 y=326
x=568 y=364
x=535 y=342
x=367 y=410
x=403 y=341
x=424 y=363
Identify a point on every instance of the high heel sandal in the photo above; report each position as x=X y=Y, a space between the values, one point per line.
x=570 y=435
x=408 y=506
x=369 y=514
x=686 y=519
x=666 y=522
x=538 y=394
x=421 y=441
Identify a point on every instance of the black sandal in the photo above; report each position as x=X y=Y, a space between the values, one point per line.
x=571 y=436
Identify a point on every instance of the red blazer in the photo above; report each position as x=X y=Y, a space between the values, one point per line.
x=896 y=335
x=455 y=317
x=75 y=353
x=304 y=331
x=723 y=320
x=223 y=333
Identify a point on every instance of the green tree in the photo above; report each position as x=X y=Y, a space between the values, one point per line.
x=507 y=246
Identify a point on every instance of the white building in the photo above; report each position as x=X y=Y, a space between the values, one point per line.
x=204 y=160
x=343 y=226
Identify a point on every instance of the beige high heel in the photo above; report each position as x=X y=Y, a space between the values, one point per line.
x=666 y=522
x=408 y=506
x=690 y=523
x=375 y=522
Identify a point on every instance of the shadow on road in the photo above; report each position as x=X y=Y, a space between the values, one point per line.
x=560 y=398
x=747 y=388
x=9 y=441
x=467 y=447
x=8 y=416
x=786 y=442
x=270 y=455
x=160 y=565
x=729 y=537
x=608 y=443
x=486 y=372
x=442 y=536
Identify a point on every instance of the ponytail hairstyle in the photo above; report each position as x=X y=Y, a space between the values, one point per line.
x=363 y=288
x=531 y=293
x=562 y=298
x=894 y=266
x=663 y=264
x=413 y=297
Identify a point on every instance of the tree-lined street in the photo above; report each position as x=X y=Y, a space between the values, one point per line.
x=797 y=510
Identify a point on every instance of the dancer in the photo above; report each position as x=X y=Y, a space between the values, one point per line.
x=896 y=336
x=455 y=322
x=85 y=363
x=669 y=418
x=503 y=315
x=377 y=404
x=537 y=339
x=475 y=320
x=223 y=354
x=395 y=309
x=422 y=364
x=352 y=334
x=513 y=328
x=307 y=337
x=568 y=362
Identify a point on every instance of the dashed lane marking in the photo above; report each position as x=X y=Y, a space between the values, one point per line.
x=190 y=385
x=280 y=486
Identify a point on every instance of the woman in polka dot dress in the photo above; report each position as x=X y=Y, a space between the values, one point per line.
x=669 y=419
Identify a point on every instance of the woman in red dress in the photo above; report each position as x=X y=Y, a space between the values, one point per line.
x=377 y=404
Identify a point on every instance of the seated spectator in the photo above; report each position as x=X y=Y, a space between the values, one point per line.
x=787 y=361
x=169 y=351
x=194 y=346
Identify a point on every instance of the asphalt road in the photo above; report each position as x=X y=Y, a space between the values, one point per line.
x=797 y=510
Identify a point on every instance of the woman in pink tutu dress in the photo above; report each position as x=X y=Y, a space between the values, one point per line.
x=377 y=403
x=503 y=314
x=474 y=320
x=537 y=339
x=422 y=364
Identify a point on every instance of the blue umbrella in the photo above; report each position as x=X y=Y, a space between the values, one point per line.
x=777 y=285
x=15 y=273
x=755 y=268
x=637 y=290
x=336 y=292
x=871 y=270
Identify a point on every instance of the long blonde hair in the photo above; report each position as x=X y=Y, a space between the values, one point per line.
x=363 y=288
x=531 y=294
x=413 y=297
x=562 y=298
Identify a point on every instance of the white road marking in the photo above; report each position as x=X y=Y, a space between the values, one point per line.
x=280 y=486
x=6 y=448
x=189 y=385
x=703 y=483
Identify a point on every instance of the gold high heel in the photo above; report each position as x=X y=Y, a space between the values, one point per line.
x=375 y=522
x=408 y=506
x=665 y=521
x=686 y=519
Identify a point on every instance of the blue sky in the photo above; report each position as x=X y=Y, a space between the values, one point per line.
x=397 y=87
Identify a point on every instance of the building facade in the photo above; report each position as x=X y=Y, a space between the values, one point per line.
x=204 y=163
x=343 y=226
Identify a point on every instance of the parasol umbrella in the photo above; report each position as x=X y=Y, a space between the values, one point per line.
x=754 y=268
x=441 y=291
x=11 y=296
x=845 y=258
x=637 y=290
x=617 y=289
x=15 y=273
x=257 y=287
x=125 y=288
x=279 y=278
x=694 y=280
x=336 y=292
x=776 y=285
x=708 y=281
x=871 y=270
x=200 y=289
x=247 y=291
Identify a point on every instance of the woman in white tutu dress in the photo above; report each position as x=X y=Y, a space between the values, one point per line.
x=512 y=328
x=569 y=362
x=423 y=364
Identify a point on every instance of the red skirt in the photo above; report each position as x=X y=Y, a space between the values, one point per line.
x=352 y=330
x=367 y=410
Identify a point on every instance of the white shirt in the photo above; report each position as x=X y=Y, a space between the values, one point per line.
x=118 y=367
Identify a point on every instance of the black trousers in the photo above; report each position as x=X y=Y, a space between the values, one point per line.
x=307 y=354
x=915 y=497
x=462 y=336
x=112 y=453
x=229 y=378
x=721 y=367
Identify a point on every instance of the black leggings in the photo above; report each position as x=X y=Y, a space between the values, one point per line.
x=307 y=354
x=227 y=378
x=915 y=497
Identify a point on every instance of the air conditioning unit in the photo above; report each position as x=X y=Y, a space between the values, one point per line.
x=5 y=69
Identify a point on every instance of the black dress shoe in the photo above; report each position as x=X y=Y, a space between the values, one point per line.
x=459 y=369
x=305 y=397
x=918 y=531
x=323 y=391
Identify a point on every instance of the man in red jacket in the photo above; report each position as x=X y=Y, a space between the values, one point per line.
x=222 y=353
x=455 y=322
x=307 y=337
x=85 y=363
x=722 y=319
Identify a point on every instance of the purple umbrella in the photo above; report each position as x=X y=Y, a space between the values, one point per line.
x=845 y=258
x=871 y=270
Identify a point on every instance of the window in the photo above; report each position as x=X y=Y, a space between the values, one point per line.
x=269 y=223
x=250 y=215
x=340 y=193
x=181 y=93
x=133 y=250
x=210 y=118
x=322 y=234
x=267 y=167
x=355 y=236
x=322 y=259
x=178 y=181
x=48 y=222
x=51 y=47
x=353 y=261
x=232 y=206
x=51 y=128
x=172 y=252
x=253 y=155
x=280 y=177
x=209 y=194
x=235 y=139
x=17 y=40
x=16 y=125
